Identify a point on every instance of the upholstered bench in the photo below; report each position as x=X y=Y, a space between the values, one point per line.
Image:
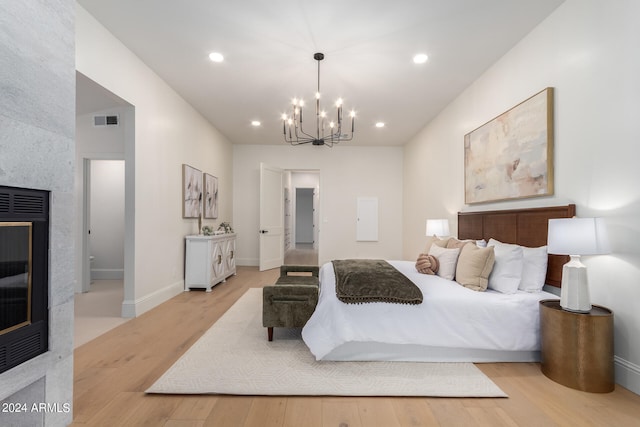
x=291 y=301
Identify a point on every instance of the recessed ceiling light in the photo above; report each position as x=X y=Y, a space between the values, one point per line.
x=255 y=123
x=380 y=124
x=420 y=58
x=216 y=57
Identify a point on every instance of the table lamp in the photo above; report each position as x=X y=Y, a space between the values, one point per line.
x=437 y=227
x=575 y=237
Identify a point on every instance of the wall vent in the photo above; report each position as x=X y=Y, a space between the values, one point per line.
x=106 y=120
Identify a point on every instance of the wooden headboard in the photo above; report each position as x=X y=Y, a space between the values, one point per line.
x=525 y=227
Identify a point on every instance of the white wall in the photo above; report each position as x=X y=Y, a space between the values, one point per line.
x=168 y=133
x=588 y=51
x=107 y=219
x=345 y=173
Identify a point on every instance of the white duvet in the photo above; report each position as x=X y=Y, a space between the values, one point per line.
x=450 y=316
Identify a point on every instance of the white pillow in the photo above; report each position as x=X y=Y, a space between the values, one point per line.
x=481 y=243
x=448 y=259
x=534 y=269
x=507 y=269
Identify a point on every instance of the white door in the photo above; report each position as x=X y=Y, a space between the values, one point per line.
x=86 y=226
x=271 y=217
x=217 y=261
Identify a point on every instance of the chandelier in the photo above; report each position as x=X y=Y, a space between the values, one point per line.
x=326 y=132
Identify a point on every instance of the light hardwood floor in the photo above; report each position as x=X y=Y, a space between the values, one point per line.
x=112 y=372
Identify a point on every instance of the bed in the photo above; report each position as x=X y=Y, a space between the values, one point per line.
x=453 y=323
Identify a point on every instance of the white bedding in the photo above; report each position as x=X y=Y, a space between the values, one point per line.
x=452 y=324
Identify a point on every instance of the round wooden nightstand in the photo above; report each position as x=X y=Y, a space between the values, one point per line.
x=577 y=348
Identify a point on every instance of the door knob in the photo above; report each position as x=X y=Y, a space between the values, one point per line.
x=264 y=231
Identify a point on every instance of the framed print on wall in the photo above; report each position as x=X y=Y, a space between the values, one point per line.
x=511 y=156
x=191 y=192
x=210 y=196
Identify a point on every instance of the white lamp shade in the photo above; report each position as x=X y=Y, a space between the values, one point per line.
x=577 y=236
x=437 y=227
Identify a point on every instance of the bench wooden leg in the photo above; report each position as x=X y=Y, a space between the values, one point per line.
x=270 y=333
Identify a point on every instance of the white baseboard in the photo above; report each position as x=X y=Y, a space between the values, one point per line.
x=134 y=308
x=627 y=374
x=107 y=274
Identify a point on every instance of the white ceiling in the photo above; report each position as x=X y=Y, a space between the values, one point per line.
x=368 y=46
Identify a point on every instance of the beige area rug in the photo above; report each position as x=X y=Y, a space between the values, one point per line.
x=234 y=357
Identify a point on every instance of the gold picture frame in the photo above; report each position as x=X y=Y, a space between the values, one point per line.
x=511 y=156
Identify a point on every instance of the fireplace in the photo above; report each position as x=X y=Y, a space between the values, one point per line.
x=24 y=277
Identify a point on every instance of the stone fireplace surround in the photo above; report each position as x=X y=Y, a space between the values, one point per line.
x=37 y=150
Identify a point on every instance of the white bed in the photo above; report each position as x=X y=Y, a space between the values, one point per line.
x=453 y=323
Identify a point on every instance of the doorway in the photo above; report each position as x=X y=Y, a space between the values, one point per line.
x=278 y=217
x=303 y=248
x=115 y=145
x=304 y=217
x=105 y=218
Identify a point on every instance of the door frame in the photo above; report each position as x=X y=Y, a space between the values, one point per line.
x=86 y=216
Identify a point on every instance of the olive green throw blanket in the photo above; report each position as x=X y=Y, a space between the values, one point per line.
x=365 y=280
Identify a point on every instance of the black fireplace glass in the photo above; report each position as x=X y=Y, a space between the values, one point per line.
x=15 y=275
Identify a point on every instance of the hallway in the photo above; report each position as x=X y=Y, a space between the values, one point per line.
x=301 y=254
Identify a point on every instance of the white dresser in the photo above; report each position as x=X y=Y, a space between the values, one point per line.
x=209 y=260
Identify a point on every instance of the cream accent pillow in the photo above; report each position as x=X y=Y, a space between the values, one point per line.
x=474 y=266
x=507 y=269
x=534 y=269
x=434 y=240
x=447 y=258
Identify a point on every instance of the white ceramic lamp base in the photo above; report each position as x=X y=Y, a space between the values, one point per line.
x=574 y=294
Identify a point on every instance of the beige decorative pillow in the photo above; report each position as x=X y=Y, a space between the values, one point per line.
x=474 y=266
x=433 y=240
x=427 y=264
x=454 y=243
